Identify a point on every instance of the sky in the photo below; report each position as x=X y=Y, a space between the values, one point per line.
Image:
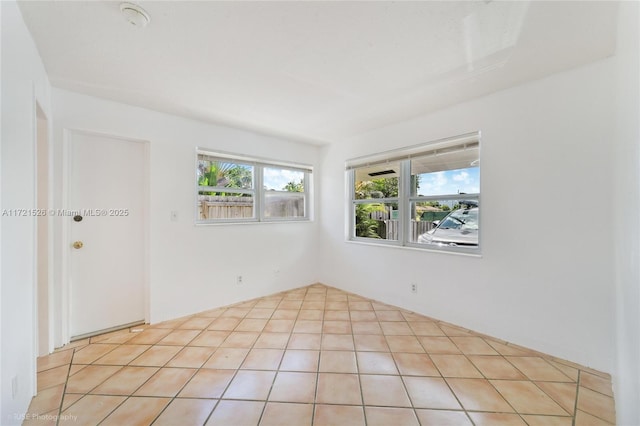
x=450 y=182
x=277 y=178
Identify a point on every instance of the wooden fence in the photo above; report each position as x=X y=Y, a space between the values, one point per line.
x=221 y=207
x=389 y=228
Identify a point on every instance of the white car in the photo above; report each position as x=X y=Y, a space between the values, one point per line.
x=458 y=229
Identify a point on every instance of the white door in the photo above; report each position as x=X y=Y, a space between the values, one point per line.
x=107 y=234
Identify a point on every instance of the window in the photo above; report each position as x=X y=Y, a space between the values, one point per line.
x=424 y=196
x=235 y=189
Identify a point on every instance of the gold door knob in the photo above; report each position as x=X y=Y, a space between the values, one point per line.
x=77 y=245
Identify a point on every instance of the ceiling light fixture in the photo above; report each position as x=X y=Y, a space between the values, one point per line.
x=135 y=15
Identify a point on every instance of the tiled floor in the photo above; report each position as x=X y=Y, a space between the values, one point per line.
x=314 y=355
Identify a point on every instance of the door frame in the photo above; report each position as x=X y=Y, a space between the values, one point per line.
x=65 y=309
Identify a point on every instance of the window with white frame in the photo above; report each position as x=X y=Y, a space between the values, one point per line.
x=233 y=188
x=424 y=196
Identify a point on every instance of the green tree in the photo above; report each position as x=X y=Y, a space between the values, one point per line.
x=294 y=186
x=365 y=226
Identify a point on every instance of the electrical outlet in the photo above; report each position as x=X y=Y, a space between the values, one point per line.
x=414 y=288
x=239 y=280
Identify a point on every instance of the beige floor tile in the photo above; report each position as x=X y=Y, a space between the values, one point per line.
x=311 y=314
x=90 y=353
x=571 y=372
x=260 y=313
x=56 y=359
x=52 y=377
x=455 y=366
x=451 y=330
x=268 y=303
x=294 y=387
x=366 y=327
x=69 y=399
x=179 y=337
x=207 y=384
x=227 y=358
x=439 y=345
x=90 y=410
x=196 y=323
x=586 y=419
x=385 y=416
x=496 y=419
x=252 y=324
x=46 y=400
x=338 y=362
x=191 y=357
x=389 y=315
x=336 y=327
x=596 y=383
x=239 y=312
x=425 y=328
x=336 y=306
x=496 y=367
x=336 y=316
x=240 y=339
x=415 y=365
x=430 y=392
x=408 y=344
x=337 y=342
x=272 y=340
x=149 y=336
x=312 y=304
x=338 y=389
x=186 y=412
x=562 y=393
x=596 y=404
x=536 y=368
x=211 y=338
x=284 y=314
x=44 y=419
x=478 y=394
x=263 y=359
x=376 y=363
x=334 y=415
x=443 y=418
x=363 y=316
x=305 y=341
x=136 y=411
x=156 y=356
x=526 y=398
x=300 y=360
x=293 y=305
x=508 y=350
x=384 y=391
x=473 y=346
x=122 y=355
x=279 y=325
x=224 y=324
x=396 y=328
x=360 y=306
x=252 y=385
x=283 y=414
x=90 y=377
x=532 y=420
x=307 y=326
x=126 y=381
x=173 y=324
x=166 y=383
x=370 y=342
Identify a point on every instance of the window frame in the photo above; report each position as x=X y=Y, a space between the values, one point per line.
x=405 y=199
x=258 y=191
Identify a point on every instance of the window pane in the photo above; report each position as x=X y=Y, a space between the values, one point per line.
x=225 y=174
x=279 y=204
x=378 y=181
x=450 y=223
x=452 y=172
x=283 y=180
x=225 y=205
x=376 y=220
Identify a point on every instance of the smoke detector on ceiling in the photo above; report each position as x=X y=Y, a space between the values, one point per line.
x=135 y=15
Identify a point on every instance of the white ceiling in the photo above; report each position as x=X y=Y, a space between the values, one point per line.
x=316 y=72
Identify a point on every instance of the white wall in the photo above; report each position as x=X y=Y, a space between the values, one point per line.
x=626 y=219
x=194 y=268
x=545 y=276
x=24 y=82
